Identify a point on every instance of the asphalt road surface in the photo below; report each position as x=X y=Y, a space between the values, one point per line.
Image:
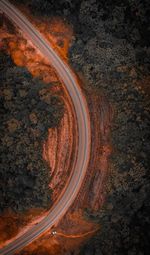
x=84 y=131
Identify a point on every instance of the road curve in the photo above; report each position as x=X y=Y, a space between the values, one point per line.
x=84 y=130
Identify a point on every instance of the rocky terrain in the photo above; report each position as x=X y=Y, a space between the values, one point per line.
x=111 y=50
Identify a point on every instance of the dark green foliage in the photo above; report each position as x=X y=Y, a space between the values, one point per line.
x=51 y=7
x=113 y=56
x=128 y=19
x=25 y=116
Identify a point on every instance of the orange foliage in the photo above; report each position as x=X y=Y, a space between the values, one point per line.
x=55 y=29
x=44 y=246
x=8 y=226
x=60 y=36
x=11 y=223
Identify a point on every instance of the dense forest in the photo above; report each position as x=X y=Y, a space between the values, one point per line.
x=128 y=19
x=26 y=114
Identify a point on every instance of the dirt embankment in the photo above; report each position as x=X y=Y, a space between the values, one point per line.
x=60 y=150
x=92 y=193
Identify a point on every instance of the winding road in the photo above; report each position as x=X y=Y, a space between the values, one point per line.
x=84 y=130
